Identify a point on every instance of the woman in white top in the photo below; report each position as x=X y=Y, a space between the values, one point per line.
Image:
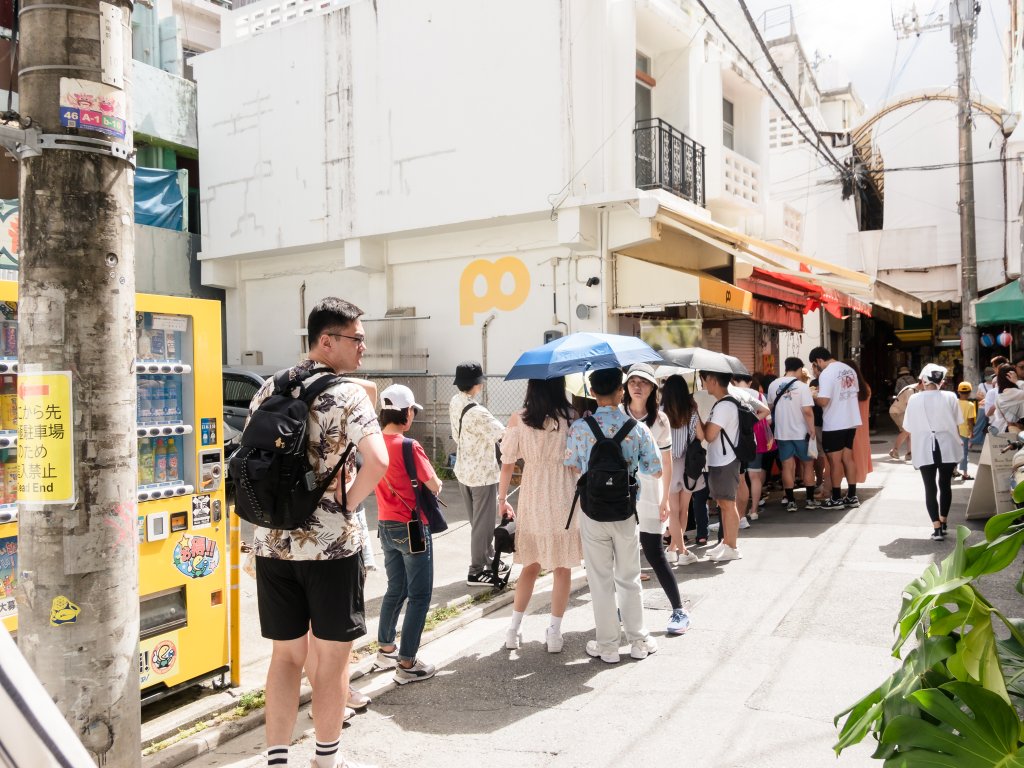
x=933 y=420
x=641 y=403
x=1009 y=410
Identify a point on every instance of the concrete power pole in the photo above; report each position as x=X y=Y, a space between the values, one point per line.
x=963 y=27
x=78 y=607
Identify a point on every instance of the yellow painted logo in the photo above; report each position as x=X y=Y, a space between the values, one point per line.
x=493 y=273
x=63 y=611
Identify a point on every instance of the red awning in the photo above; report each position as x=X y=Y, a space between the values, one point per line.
x=791 y=290
x=778 y=314
x=835 y=301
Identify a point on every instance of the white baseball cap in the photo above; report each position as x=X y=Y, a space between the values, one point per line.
x=398 y=397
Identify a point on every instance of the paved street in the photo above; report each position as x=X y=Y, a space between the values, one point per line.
x=781 y=641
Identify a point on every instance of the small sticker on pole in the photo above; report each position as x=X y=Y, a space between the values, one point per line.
x=93 y=107
x=46 y=457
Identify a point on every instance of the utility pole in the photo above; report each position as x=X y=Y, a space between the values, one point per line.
x=963 y=27
x=78 y=601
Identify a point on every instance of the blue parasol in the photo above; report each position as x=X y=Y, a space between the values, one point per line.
x=581 y=352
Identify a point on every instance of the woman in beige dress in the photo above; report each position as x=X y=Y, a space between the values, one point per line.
x=537 y=435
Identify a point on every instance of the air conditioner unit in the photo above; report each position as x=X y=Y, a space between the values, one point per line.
x=252 y=357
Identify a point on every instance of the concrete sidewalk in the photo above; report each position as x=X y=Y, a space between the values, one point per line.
x=782 y=640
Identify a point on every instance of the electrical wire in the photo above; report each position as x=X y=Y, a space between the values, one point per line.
x=778 y=74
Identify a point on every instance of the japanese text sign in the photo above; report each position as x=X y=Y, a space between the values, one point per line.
x=46 y=461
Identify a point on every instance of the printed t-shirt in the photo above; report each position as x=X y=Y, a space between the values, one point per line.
x=838 y=382
x=390 y=506
x=789 y=422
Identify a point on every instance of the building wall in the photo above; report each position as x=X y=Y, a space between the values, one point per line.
x=164 y=106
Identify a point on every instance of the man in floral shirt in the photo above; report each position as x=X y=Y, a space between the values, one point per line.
x=310 y=580
x=611 y=550
x=476 y=432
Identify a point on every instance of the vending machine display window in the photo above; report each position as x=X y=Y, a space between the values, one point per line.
x=163 y=611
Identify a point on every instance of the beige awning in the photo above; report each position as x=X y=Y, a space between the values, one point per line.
x=641 y=286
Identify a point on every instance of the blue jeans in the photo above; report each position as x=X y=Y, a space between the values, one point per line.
x=963 y=461
x=980 y=427
x=410 y=577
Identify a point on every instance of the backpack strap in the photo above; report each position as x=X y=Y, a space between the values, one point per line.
x=595 y=427
x=624 y=430
x=469 y=406
x=721 y=431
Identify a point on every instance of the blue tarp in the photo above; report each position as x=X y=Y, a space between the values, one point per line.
x=158 y=200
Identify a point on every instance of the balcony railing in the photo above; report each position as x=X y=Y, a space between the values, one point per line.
x=668 y=159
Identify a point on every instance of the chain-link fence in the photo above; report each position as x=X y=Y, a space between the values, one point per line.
x=432 y=427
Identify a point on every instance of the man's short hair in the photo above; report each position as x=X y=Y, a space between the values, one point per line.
x=329 y=313
x=743 y=377
x=393 y=415
x=605 y=381
x=819 y=353
x=723 y=379
x=794 y=363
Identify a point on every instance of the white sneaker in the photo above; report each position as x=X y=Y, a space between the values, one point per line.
x=610 y=657
x=554 y=640
x=753 y=516
x=727 y=553
x=744 y=523
x=672 y=556
x=710 y=553
x=357 y=699
x=513 y=637
x=713 y=528
x=688 y=558
x=349 y=714
x=343 y=763
x=641 y=649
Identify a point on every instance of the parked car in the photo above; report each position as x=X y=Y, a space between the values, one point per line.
x=240 y=384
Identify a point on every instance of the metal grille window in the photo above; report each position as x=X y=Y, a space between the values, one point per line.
x=667 y=158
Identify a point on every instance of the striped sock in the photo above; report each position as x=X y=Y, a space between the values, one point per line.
x=278 y=756
x=326 y=753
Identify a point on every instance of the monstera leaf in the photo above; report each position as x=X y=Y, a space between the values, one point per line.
x=1011 y=654
x=987 y=735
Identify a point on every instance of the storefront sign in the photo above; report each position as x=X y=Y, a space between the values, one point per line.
x=494 y=275
x=725 y=295
x=92 y=106
x=671 y=334
x=46 y=460
x=8 y=576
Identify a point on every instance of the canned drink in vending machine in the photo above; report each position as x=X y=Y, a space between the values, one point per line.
x=8 y=403
x=10 y=340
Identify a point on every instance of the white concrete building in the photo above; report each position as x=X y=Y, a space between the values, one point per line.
x=497 y=169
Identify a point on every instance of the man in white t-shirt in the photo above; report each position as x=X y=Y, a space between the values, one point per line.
x=723 y=466
x=793 y=422
x=837 y=395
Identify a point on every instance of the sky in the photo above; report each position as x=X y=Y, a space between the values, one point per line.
x=859 y=37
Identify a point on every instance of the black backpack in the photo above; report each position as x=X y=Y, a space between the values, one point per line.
x=607 y=491
x=745 y=447
x=275 y=485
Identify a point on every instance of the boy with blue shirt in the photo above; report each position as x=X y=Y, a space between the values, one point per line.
x=611 y=550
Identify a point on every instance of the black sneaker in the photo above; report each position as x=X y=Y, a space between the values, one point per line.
x=942 y=527
x=791 y=506
x=937 y=535
x=851 y=501
x=831 y=503
x=482 y=579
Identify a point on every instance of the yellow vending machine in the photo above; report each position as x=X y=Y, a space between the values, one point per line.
x=186 y=553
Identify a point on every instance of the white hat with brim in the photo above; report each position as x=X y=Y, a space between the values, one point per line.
x=642 y=371
x=398 y=397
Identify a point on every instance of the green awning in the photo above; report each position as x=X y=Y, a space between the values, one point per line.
x=1002 y=306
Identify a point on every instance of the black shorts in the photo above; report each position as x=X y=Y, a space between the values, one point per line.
x=325 y=595
x=836 y=440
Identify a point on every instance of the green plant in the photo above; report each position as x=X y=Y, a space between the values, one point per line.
x=957 y=698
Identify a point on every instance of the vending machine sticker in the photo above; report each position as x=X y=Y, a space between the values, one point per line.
x=163 y=656
x=8 y=576
x=208 y=431
x=200 y=511
x=174 y=323
x=196 y=556
x=46 y=458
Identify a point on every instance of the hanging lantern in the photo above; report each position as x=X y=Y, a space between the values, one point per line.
x=987 y=340
x=1005 y=339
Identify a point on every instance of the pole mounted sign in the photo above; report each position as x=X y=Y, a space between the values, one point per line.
x=46 y=460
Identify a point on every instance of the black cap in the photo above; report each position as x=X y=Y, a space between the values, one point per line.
x=468 y=374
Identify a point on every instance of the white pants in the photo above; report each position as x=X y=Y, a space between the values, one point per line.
x=611 y=552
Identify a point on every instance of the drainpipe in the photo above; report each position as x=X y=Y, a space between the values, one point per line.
x=302 y=318
x=554 y=295
x=483 y=355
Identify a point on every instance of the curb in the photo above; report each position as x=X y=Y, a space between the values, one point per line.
x=209 y=739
